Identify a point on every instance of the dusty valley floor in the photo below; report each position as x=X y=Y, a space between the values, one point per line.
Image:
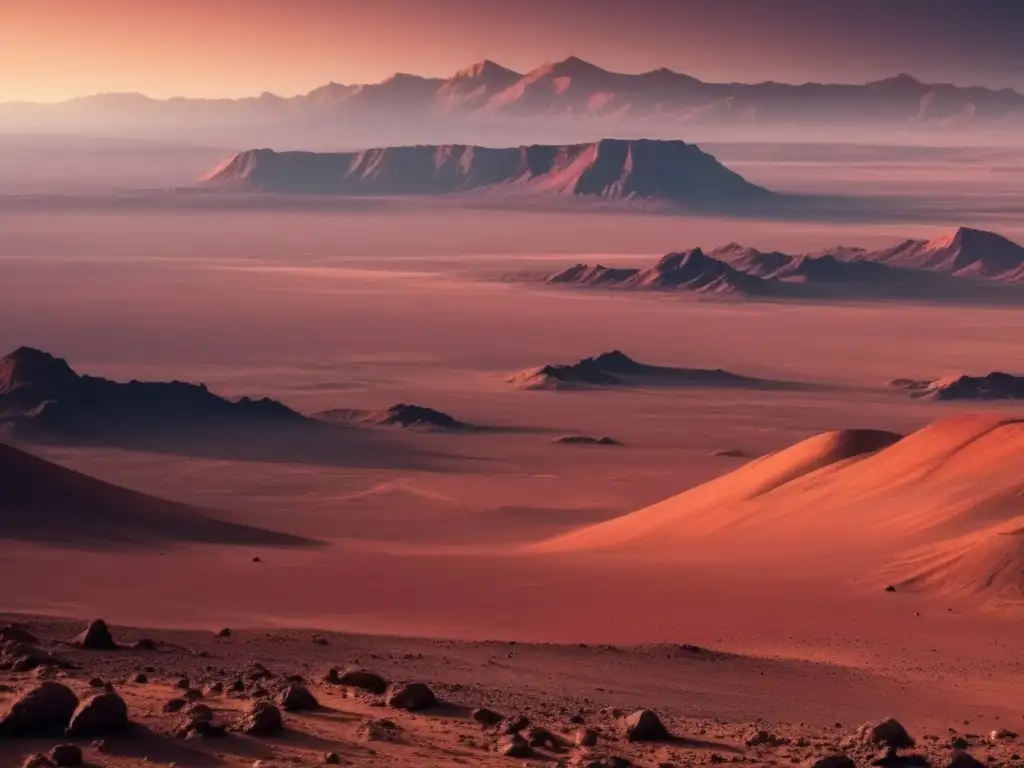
x=432 y=560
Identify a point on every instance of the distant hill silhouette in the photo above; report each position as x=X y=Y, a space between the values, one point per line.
x=42 y=392
x=45 y=502
x=616 y=369
x=400 y=415
x=992 y=386
x=487 y=99
x=612 y=169
x=967 y=264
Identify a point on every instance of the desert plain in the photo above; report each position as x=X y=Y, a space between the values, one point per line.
x=501 y=566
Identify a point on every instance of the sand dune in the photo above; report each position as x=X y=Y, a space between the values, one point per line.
x=44 y=502
x=867 y=494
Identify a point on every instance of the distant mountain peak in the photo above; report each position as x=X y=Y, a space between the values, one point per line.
x=485 y=70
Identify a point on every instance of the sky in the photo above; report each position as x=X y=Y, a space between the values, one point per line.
x=57 y=49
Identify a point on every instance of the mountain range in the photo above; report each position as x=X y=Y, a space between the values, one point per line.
x=43 y=394
x=488 y=102
x=967 y=263
x=614 y=169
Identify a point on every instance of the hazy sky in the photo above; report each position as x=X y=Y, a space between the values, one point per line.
x=55 y=49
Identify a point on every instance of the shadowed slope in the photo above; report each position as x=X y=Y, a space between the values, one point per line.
x=44 y=502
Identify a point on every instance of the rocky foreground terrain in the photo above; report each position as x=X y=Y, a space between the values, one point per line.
x=95 y=696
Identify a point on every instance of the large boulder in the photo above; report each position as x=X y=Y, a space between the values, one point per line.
x=66 y=756
x=261 y=719
x=961 y=759
x=834 y=761
x=644 y=725
x=411 y=697
x=46 y=709
x=101 y=715
x=888 y=733
x=96 y=637
x=297 y=698
x=355 y=677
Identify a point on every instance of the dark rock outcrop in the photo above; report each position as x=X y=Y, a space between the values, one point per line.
x=96 y=637
x=411 y=697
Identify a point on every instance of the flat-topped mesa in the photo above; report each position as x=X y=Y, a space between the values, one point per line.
x=611 y=169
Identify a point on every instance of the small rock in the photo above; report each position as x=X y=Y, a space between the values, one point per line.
x=66 y=756
x=37 y=761
x=644 y=725
x=257 y=559
x=890 y=588
x=144 y=644
x=1002 y=734
x=411 y=697
x=514 y=724
x=175 y=705
x=101 y=715
x=142 y=678
x=96 y=637
x=262 y=719
x=46 y=708
x=959 y=742
x=183 y=683
x=486 y=717
x=297 y=698
x=332 y=758
x=224 y=633
x=379 y=730
x=97 y=682
x=761 y=738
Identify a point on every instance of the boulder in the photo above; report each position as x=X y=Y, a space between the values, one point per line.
x=66 y=756
x=542 y=737
x=47 y=708
x=37 y=761
x=96 y=637
x=175 y=705
x=585 y=737
x=12 y=633
x=886 y=733
x=261 y=719
x=514 y=745
x=834 y=761
x=411 y=697
x=486 y=717
x=363 y=679
x=101 y=715
x=514 y=724
x=961 y=759
x=297 y=698
x=644 y=725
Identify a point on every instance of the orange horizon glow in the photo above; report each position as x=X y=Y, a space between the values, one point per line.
x=61 y=49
